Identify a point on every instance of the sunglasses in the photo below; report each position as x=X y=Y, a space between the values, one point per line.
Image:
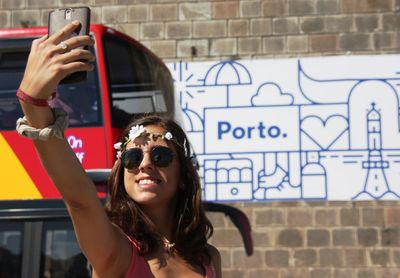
x=160 y=156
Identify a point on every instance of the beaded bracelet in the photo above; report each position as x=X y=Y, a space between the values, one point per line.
x=21 y=95
x=55 y=130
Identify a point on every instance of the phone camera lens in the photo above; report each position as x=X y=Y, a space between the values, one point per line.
x=68 y=14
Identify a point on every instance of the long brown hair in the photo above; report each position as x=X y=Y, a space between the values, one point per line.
x=191 y=226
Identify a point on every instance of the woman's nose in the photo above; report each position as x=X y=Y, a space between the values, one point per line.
x=146 y=162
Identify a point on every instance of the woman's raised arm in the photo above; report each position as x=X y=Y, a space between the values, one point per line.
x=48 y=63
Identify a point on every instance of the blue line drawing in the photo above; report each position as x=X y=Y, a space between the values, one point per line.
x=270 y=93
x=321 y=128
x=227 y=74
x=376 y=184
x=324 y=133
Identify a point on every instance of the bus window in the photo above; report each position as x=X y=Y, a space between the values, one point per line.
x=132 y=83
x=60 y=251
x=11 y=71
x=80 y=100
x=11 y=249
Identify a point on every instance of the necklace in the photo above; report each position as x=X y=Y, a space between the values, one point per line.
x=168 y=245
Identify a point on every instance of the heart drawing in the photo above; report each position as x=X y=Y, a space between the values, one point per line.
x=324 y=133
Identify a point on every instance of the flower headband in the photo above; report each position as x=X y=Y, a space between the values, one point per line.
x=139 y=130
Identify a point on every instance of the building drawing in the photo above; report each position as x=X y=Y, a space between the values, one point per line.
x=323 y=128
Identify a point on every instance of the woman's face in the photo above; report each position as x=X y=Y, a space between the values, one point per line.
x=148 y=184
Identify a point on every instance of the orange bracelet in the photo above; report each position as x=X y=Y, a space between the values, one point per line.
x=21 y=95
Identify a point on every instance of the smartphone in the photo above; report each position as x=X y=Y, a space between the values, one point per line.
x=61 y=17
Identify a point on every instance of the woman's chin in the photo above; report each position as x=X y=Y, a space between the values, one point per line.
x=146 y=198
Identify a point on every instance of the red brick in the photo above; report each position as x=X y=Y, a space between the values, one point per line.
x=152 y=30
x=343 y=237
x=163 y=48
x=290 y=238
x=305 y=257
x=285 y=25
x=323 y=43
x=21 y=17
x=164 y=12
x=331 y=257
x=301 y=7
x=277 y=258
x=250 y=8
x=355 y=258
x=297 y=44
x=226 y=46
x=360 y=6
x=274 y=8
x=373 y=217
x=209 y=29
x=193 y=11
x=227 y=238
x=379 y=257
x=326 y=217
x=233 y=273
x=269 y=217
x=318 y=237
x=241 y=260
x=299 y=217
x=138 y=13
x=260 y=26
x=349 y=217
x=275 y=44
x=238 y=28
x=12 y=4
x=116 y=14
x=258 y=273
x=393 y=216
x=178 y=30
x=249 y=46
x=229 y=9
x=5 y=19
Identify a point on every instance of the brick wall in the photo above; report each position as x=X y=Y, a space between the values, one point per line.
x=292 y=239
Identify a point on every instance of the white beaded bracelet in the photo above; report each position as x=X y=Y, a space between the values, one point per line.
x=55 y=130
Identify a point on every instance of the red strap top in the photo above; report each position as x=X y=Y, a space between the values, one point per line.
x=139 y=267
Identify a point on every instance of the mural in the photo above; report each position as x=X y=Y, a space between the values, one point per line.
x=323 y=128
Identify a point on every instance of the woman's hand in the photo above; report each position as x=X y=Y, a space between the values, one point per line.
x=49 y=62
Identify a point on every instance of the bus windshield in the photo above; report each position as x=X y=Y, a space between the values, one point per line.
x=138 y=83
x=80 y=100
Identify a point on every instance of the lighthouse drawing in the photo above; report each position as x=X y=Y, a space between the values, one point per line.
x=376 y=183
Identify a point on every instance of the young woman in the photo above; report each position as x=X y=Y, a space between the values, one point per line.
x=154 y=224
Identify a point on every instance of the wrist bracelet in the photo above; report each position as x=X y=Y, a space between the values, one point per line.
x=55 y=130
x=21 y=95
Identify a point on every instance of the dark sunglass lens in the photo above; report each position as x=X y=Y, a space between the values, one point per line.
x=161 y=156
x=132 y=158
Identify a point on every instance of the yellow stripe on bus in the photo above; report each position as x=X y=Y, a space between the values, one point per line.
x=15 y=182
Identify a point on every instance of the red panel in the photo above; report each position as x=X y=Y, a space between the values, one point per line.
x=87 y=143
x=25 y=151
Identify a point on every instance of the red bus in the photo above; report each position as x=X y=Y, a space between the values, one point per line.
x=128 y=80
x=36 y=235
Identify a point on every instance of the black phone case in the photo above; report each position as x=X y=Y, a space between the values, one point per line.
x=61 y=17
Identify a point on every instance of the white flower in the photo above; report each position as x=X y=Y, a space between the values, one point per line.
x=136 y=131
x=118 y=145
x=119 y=154
x=168 y=135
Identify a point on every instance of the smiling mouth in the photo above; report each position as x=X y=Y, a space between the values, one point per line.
x=148 y=181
